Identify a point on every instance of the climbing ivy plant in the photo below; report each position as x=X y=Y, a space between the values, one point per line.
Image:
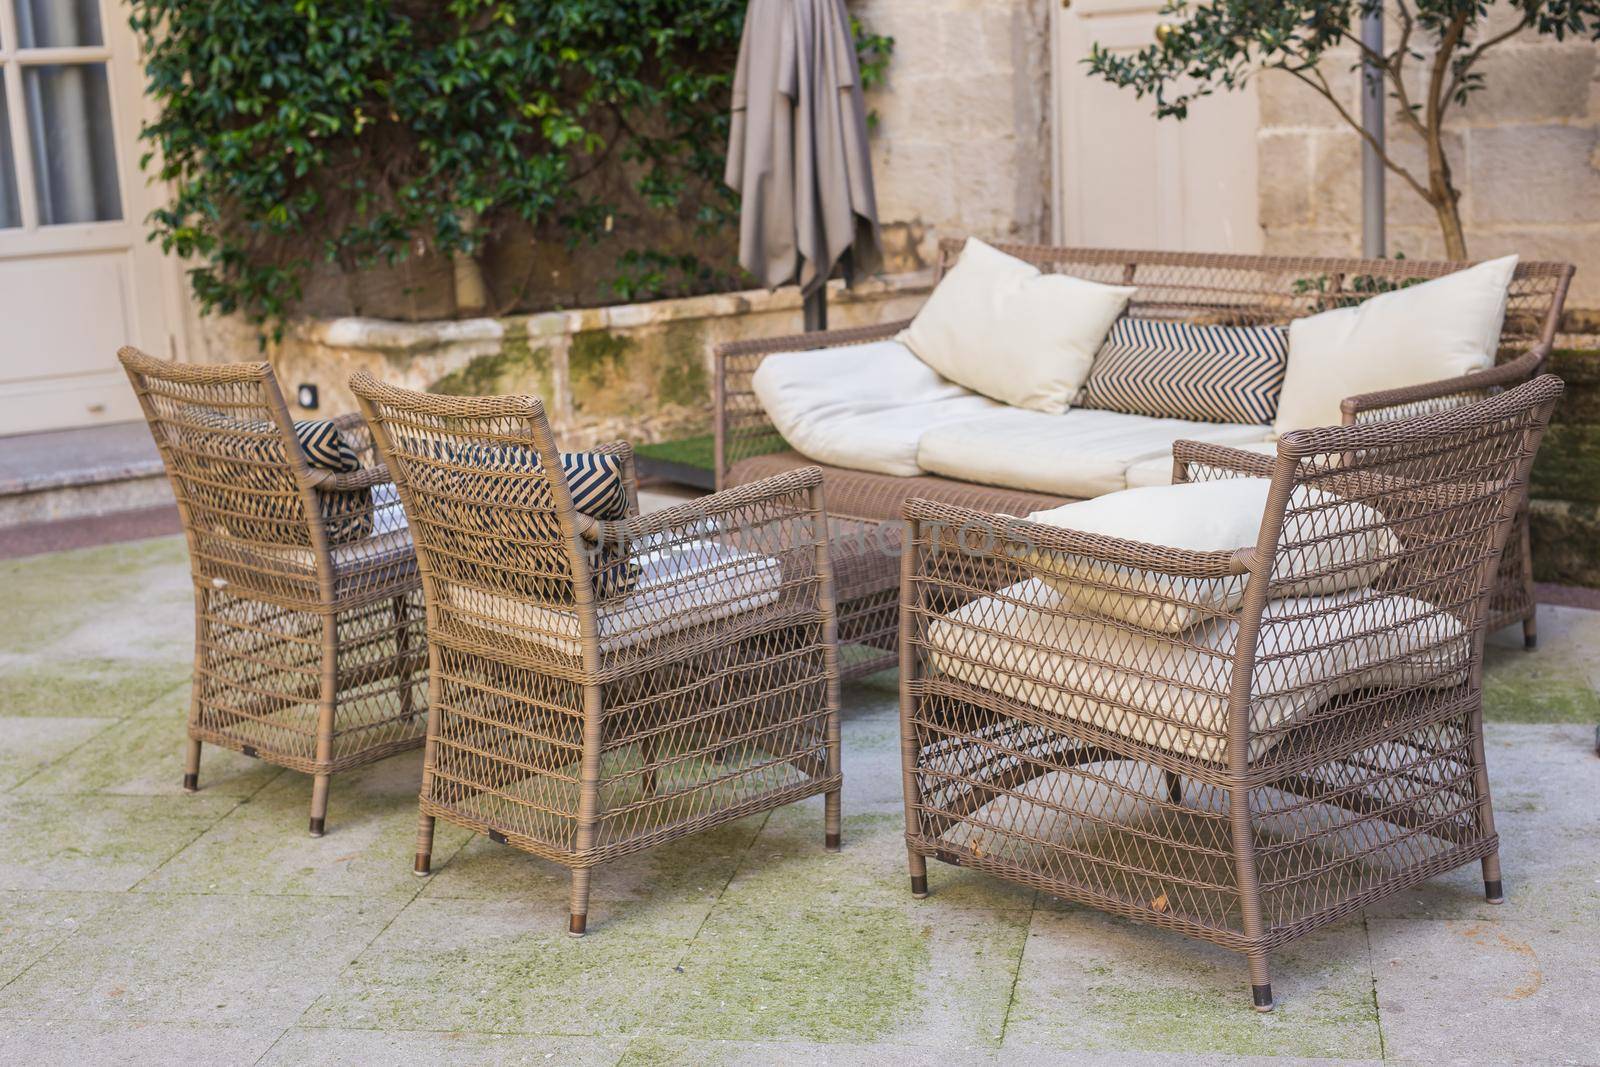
x=358 y=131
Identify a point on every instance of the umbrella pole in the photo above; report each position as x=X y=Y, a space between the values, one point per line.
x=816 y=310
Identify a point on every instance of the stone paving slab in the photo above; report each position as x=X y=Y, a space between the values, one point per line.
x=34 y=922
x=78 y=1043
x=1518 y=990
x=143 y=756
x=315 y=1046
x=1096 y=982
x=261 y=846
x=96 y=842
x=492 y=966
x=29 y=745
x=205 y=959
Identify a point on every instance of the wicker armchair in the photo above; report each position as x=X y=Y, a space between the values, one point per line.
x=584 y=720
x=309 y=644
x=1282 y=762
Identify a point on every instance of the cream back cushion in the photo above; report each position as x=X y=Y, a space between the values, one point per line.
x=1001 y=327
x=1221 y=516
x=1423 y=333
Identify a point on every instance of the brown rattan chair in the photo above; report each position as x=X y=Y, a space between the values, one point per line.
x=1198 y=287
x=309 y=644
x=585 y=720
x=1282 y=762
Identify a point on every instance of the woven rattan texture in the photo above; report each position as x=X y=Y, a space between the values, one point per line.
x=1311 y=744
x=309 y=643
x=582 y=726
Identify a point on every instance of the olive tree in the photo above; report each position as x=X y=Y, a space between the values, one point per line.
x=1432 y=68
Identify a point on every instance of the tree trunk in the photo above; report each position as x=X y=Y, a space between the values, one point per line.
x=1449 y=213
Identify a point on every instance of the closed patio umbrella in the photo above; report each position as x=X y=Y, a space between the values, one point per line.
x=798 y=150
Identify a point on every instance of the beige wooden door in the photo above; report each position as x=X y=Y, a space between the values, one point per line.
x=1125 y=179
x=77 y=278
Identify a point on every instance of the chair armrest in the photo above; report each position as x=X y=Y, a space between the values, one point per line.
x=742 y=427
x=1214 y=462
x=365 y=478
x=695 y=517
x=1445 y=393
x=1007 y=537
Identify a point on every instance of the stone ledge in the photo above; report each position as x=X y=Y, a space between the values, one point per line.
x=409 y=338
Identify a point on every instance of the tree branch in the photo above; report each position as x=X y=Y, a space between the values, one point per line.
x=1320 y=86
x=1459 y=76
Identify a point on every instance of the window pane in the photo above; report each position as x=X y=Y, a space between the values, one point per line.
x=74 y=152
x=58 y=23
x=10 y=211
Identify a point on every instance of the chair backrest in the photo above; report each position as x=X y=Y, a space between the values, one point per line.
x=1377 y=555
x=489 y=506
x=1226 y=289
x=237 y=470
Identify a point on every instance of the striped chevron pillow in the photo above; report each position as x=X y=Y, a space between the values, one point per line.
x=1174 y=370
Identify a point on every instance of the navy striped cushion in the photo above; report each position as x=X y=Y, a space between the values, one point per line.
x=502 y=509
x=1173 y=370
x=346 y=514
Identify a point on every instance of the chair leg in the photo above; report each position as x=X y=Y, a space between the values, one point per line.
x=1260 y=982
x=319 y=804
x=424 y=865
x=919 y=873
x=1493 y=888
x=832 y=819
x=1530 y=632
x=191 y=768
x=578 y=924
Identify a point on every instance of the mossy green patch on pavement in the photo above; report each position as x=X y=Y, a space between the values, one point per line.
x=97 y=842
x=29 y=745
x=821 y=974
x=144 y=756
x=502 y=967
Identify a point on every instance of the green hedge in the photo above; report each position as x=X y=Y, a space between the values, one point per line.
x=357 y=131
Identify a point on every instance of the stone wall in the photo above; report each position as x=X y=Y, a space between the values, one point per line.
x=639 y=372
x=962 y=141
x=1525 y=152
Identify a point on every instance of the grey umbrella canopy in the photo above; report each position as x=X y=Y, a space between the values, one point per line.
x=798 y=150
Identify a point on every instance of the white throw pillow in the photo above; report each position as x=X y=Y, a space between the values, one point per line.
x=1355 y=547
x=1001 y=327
x=1439 y=329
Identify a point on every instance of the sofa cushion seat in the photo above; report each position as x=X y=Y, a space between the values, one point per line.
x=862 y=407
x=1172 y=692
x=1158 y=471
x=1082 y=453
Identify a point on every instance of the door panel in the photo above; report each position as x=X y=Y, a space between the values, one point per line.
x=77 y=278
x=1128 y=180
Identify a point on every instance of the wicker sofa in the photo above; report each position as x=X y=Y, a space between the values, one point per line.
x=1235 y=290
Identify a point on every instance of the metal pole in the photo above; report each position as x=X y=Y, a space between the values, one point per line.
x=1373 y=175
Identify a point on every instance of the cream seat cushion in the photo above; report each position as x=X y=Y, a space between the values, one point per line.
x=1000 y=326
x=1172 y=693
x=1355 y=546
x=1158 y=471
x=680 y=585
x=862 y=407
x=1081 y=453
x=1440 y=329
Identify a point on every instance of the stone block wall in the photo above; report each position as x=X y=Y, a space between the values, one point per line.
x=1525 y=152
x=636 y=372
x=962 y=140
